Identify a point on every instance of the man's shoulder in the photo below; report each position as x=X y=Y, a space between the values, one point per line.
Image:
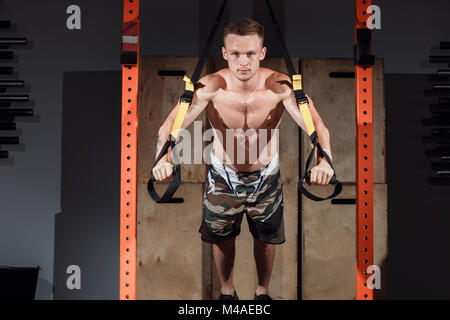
x=212 y=82
x=277 y=82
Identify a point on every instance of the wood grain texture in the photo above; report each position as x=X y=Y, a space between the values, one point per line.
x=173 y=262
x=329 y=245
x=334 y=99
x=158 y=95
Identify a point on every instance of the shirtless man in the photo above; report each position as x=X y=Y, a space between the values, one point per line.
x=244 y=96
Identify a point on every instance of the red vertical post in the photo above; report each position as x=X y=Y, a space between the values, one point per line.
x=364 y=163
x=129 y=139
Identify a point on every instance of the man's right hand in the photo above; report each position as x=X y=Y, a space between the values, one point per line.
x=163 y=170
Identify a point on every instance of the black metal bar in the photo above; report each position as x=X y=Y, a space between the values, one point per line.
x=441 y=107
x=442 y=145
x=440 y=131
x=438 y=152
x=343 y=201
x=7 y=119
x=439 y=59
x=6 y=70
x=342 y=75
x=9 y=140
x=16 y=112
x=439 y=78
x=171 y=73
x=5 y=55
x=13 y=98
x=445 y=45
x=432 y=139
x=3 y=154
x=5 y=24
x=11 y=83
x=5 y=104
x=441 y=86
x=7 y=126
x=13 y=41
x=439 y=181
x=443 y=71
x=436 y=92
x=440 y=166
x=363 y=49
x=436 y=121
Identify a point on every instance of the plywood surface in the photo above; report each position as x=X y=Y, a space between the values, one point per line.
x=329 y=244
x=158 y=95
x=173 y=263
x=334 y=99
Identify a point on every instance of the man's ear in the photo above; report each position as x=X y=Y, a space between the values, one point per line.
x=224 y=53
x=263 y=53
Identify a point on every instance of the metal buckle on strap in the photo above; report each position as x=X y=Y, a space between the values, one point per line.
x=188 y=93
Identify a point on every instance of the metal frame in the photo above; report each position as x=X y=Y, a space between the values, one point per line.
x=128 y=189
x=364 y=164
x=128 y=175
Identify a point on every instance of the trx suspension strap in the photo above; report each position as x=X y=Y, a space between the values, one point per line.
x=185 y=102
x=302 y=103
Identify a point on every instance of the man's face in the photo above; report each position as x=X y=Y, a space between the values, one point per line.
x=243 y=54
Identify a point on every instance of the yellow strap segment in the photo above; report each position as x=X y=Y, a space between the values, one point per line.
x=182 y=109
x=304 y=110
x=304 y=107
x=189 y=84
x=297 y=81
x=179 y=118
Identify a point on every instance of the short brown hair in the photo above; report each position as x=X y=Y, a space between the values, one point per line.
x=243 y=27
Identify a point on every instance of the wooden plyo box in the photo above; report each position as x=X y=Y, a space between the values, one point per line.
x=173 y=262
x=329 y=245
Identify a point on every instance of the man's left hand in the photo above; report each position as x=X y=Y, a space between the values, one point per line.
x=322 y=173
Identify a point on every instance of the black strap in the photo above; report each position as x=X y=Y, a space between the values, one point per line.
x=187 y=97
x=174 y=183
x=300 y=97
x=333 y=180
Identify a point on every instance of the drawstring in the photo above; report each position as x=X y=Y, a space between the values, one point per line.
x=229 y=180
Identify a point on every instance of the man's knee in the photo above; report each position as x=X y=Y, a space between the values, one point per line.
x=226 y=244
x=262 y=244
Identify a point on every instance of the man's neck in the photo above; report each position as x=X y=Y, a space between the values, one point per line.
x=248 y=86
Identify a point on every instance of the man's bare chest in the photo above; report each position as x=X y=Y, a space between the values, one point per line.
x=256 y=110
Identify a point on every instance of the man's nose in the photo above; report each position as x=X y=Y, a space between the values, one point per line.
x=243 y=60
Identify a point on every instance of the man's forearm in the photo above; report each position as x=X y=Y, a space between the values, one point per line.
x=323 y=136
x=163 y=135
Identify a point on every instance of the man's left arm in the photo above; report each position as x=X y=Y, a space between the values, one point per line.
x=322 y=172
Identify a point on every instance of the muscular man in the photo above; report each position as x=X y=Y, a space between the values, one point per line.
x=251 y=101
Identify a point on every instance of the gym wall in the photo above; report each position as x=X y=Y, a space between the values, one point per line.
x=32 y=181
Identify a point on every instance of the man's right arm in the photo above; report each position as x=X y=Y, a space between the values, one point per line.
x=206 y=89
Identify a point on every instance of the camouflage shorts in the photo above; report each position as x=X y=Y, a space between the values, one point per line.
x=229 y=194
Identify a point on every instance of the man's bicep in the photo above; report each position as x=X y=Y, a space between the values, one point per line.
x=317 y=120
x=290 y=105
x=199 y=103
